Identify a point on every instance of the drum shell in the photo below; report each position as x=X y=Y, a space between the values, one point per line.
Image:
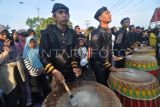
x=144 y=63
x=128 y=102
x=151 y=86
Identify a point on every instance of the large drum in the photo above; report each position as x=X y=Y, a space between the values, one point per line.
x=145 y=50
x=89 y=94
x=135 y=88
x=144 y=62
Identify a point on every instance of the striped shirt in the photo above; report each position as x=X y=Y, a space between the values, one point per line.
x=32 y=71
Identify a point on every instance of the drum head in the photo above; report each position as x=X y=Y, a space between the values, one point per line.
x=141 y=58
x=134 y=84
x=141 y=62
x=88 y=94
x=145 y=50
x=134 y=76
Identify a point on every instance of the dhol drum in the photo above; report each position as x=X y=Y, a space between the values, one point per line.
x=145 y=50
x=135 y=88
x=144 y=63
x=88 y=94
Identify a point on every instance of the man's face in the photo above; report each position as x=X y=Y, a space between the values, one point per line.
x=78 y=30
x=126 y=23
x=61 y=16
x=133 y=28
x=115 y=29
x=139 y=30
x=145 y=33
x=105 y=17
x=3 y=35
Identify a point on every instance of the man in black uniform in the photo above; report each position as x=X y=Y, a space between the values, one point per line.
x=131 y=35
x=120 y=44
x=57 y=47
x=121 y=47
x=79 y=34
x=101 y=46
x=139 y=33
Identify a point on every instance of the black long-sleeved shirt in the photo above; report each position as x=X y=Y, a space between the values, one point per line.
x=101 y=44
x=57 y=48
x=120 y=41
x=131 y=38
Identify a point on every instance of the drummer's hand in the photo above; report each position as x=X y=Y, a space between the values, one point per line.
x=116 y=58
x=127 y=53
x=136 y=46
x=77 y=71
x=57 y=75
x=113 y=69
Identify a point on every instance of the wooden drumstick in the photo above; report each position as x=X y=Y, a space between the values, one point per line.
x=67 y=89
x=74 y=101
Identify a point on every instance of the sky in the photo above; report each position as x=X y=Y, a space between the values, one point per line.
x=82 y=12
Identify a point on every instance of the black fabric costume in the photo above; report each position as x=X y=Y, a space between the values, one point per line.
x=57 y=51
x=101 y=44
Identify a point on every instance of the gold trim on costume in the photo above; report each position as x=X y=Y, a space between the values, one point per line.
x=106 y=63
x=74 y=66
x=50 y=69
x=74 y=62
x=47 y=66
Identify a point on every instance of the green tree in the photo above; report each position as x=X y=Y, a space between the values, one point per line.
x=39 y=24
x=88 y=30
x=33 y=22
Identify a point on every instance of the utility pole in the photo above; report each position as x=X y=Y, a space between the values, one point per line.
x=87 y=22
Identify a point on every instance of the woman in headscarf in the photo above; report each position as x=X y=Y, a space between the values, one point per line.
x=15 y=38
x=12 y=75
x=37 y=78
x=22 y=35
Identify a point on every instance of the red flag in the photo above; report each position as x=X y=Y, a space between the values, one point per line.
x=156 y=15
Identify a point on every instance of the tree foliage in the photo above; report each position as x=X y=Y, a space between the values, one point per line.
x=39 y=24
x=88 y=31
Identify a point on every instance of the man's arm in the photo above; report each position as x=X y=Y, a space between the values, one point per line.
x=44 y=52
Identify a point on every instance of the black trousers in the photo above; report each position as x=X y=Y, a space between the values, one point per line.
x=17 y=97
x=39 y=88
x=18 y=94
x=101 y=73
x=2 y=102
x=12 y=98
